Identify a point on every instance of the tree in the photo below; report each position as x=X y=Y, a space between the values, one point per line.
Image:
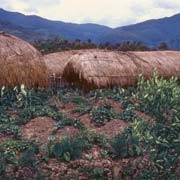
x=163 y=46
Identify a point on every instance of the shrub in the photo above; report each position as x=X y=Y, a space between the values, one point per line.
x=9 y=126
x=98 y=173
x=12 y=151
x=35 y=111
x=102 y=114
x=69 y=148
x=125 y=145
x=128 y=114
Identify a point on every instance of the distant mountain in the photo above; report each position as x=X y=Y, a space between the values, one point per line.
x=150 y=32
x=18 y=24
x=175 y=42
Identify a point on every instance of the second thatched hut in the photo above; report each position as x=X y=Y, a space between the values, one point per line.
x=56 y=63
x=101 y=69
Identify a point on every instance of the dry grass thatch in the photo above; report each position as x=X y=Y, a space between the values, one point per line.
x=99 y=69
x=20 y=63
x=56 y=62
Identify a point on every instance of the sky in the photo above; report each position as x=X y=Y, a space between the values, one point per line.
x=113 y=13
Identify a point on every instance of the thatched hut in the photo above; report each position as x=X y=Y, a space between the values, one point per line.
x=20 y=63
x=99 y=69
x=56 y=62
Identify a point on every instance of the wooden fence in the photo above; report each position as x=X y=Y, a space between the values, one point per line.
x=57 y=82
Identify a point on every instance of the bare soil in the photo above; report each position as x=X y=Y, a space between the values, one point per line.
x=38 y=129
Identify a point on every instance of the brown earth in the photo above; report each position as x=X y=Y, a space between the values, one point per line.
x=38 y=129
x=116 y=106
x=113 y=128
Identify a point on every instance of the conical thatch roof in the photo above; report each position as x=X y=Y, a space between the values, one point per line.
x=20 y=63
x=99 y=69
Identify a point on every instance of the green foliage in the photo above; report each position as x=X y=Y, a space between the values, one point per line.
x=126 y=145
x=35 y=111
x=161 y=141
x=9 y=126
x=58 y=44
x=66 y=121
x=82 y=109
x=148 y=175
x=102 y=114
x=27 y=158
x=98 y=174
x=79 y=100
x=132 y=46
x=3 y=163
x=20 y=97
x=157 y=139
x=15 y=152
x=19 y=155
x=69 y=148
x=118 y=94
x=128 y=114
x=159 y=98
x=82 y=104
x=13 y=97
x=163 y=46
x=101 y=140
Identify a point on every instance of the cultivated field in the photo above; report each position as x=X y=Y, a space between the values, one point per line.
x=109 y=134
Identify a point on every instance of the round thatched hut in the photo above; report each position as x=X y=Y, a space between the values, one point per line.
x=20 y=63
x=100 y=69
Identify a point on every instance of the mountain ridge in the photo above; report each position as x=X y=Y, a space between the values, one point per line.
x=150 y=32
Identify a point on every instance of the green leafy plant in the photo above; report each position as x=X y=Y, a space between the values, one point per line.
x=82 y=109
x=98 y=173
x=148 y=175
x=69 y=148
x=128 y=114
x=9 y=126
x=159 y=97
x=161 y=142
x=126 y=145
x=66 y=121
x=14 y=152
x=102 y=114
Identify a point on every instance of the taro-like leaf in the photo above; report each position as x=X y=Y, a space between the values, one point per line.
x=58 y=150
x=67 y=156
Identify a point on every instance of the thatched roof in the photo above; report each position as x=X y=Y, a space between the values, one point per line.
x=56 y=62
x=20 y=63
x=98 y=68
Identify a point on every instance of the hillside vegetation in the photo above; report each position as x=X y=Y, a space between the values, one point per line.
x=106 y=134
x=58 y=45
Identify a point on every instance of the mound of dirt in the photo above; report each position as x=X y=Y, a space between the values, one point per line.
x=4 y=138
x=110 y=129
x=38 y=129
x=67 y=131
x=113 y=128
